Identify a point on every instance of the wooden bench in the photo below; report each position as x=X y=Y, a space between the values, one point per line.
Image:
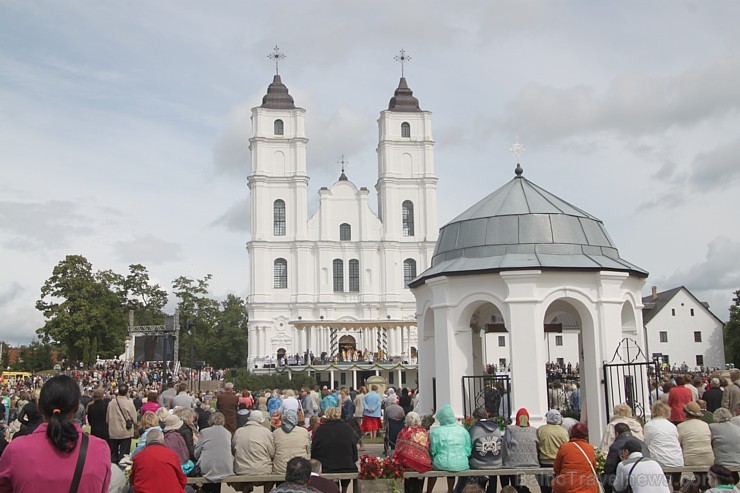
x=354 y=477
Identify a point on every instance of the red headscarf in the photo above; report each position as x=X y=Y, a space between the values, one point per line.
x=522 y=417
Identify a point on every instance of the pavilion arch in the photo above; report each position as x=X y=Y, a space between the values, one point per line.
x=576 y=301
x=428 y=328
x=426 y=345
x=578 y=294
x=473 y=302
x=629 y=321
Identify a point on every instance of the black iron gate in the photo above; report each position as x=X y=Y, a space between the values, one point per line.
x=487 y=391
x=631 y=378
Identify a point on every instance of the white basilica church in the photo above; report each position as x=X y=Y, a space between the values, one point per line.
x=328 y=292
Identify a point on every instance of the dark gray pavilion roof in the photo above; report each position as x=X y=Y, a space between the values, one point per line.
x=277 y=97
x=403 y=99
x=522 y=226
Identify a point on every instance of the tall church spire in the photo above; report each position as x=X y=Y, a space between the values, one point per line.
x=403 y=99
x=277 y=97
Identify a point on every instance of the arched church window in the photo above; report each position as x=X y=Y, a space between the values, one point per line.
x=279 y=127
x=278 y=213
x=345 y=232
x=409 y=271
x=338 y=269
x=354 y=275
x=407 y=218
x=405 y=129
x=280 y=273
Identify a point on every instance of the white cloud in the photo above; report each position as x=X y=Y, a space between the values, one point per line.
x=231 y=153
x=716 y=169
x=632 y=105
x=31 y=226
x=236 y=218
x=147 y=249
x=712 y=279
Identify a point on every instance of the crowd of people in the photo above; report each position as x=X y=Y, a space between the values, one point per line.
x=149 y=432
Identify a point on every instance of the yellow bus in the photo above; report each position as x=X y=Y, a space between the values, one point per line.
x=12 y=376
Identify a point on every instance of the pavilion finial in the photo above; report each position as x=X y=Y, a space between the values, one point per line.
x=276 y=55
x=518 y=149
x=402 y=58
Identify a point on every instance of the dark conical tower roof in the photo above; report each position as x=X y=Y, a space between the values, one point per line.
x=277 y=97
x=403 y=99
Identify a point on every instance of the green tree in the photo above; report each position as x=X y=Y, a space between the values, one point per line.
x=732 y=332
x=245 y=380
x=146 y=299
x=82 y=309
x=198 y=316
x=228 y=349
x=37 y=356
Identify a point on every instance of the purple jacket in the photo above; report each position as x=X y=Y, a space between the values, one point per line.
x=31 y=464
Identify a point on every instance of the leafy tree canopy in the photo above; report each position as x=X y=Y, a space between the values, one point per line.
x=228 y=347
x=87 y=311
x=250 y=381
x=198 y=317
x=83 y=312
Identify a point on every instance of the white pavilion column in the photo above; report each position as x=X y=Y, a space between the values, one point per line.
x=426 y=367
x=528 y=354
x=331 y=379
x=398 y=380
x=453 y=346
x=354 y=379
x=599 y=345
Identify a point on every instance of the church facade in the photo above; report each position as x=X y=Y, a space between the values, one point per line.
x=328 y=291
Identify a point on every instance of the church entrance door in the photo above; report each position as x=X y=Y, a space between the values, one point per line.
x=347 y=348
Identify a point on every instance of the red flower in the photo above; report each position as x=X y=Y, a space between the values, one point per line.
x=372 y=467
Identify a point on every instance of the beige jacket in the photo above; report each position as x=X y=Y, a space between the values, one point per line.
x=695 y=438
x=254 y=449
x=289 y=445
x=116 y=418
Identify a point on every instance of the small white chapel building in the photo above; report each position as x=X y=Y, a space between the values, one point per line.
x=517 y=261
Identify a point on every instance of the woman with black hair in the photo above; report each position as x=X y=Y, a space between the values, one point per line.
x=49 y=459
x=722 y=480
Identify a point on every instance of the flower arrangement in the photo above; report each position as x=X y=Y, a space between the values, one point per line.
x=427 y=421
x=467 y=422
x=372 y=467
x=600 y=461
x=275 y=420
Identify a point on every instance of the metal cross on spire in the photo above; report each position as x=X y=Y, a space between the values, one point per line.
x=343 y=161
x=276 y=55
x=518 y=149
x=402 y=58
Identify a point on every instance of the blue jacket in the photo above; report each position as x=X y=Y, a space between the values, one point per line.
x=450 y=442
x=328 y=401
x=273 y=405
x=371 y=402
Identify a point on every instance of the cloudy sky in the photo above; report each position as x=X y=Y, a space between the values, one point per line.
x=124 y=126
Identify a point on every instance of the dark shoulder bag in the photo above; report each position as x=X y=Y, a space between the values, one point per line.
x=129 y=421
x=80 y=464
x=629 y=487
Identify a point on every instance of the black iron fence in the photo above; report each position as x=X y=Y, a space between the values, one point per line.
x=492 y=392
x=629 y=383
